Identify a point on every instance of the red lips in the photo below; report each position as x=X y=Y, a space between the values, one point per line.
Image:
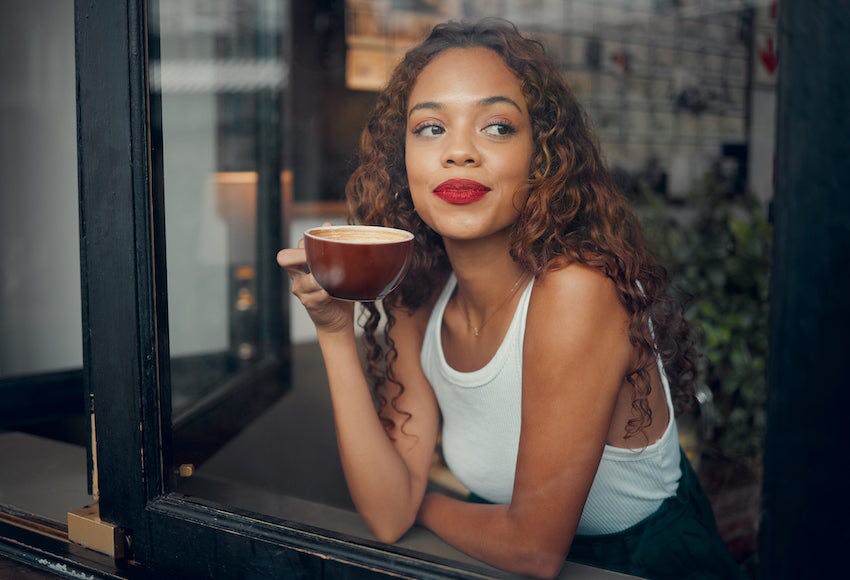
x=461 y=191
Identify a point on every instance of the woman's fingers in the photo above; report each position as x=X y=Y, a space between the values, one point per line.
x=304 y=285
x=325 y=312
x=294 y=260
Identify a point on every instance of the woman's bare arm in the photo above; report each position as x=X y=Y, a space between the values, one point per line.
x=575 y=358
x=386 y=472
x=386 y=476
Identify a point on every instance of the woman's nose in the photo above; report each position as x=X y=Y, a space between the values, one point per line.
x=460 y=151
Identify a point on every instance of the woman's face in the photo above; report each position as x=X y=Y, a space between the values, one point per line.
x=468 y=144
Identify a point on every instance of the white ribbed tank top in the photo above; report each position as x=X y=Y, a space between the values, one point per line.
x=481 y=413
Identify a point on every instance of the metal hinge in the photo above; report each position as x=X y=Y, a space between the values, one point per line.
x=87 y=529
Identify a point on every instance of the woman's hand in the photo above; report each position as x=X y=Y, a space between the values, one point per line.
x=327 y=313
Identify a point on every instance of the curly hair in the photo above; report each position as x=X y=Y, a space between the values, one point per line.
x=573 y=214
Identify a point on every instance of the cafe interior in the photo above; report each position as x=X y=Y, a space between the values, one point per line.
x=165 y=406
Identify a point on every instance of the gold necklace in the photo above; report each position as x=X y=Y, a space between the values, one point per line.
x=476 y=330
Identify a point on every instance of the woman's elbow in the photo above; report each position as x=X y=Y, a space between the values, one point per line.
x=549 y=568
x=540 y=565
x=388 y=536
x=389 y=531
x=537 y=560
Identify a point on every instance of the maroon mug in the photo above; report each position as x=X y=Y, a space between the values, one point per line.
x=360 y=263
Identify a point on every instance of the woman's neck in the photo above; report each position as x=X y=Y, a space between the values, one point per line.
x=485 y=272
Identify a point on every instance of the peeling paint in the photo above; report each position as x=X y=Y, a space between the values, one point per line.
x=63 y=569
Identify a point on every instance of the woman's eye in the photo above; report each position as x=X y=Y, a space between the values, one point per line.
x=429 y=130
x=499 y=129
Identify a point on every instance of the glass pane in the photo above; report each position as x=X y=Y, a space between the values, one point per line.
x=218 y=67
x=684 y=114
x=42 y=434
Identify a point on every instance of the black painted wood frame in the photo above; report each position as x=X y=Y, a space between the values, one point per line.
x=804 y=529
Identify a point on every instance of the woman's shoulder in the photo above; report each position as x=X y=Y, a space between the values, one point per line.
x=568 y=285
x=575 y=314
x=576 y=303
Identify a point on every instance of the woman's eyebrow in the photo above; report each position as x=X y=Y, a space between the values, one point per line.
x=424 y=105
x=486 y=102
x=499 y=99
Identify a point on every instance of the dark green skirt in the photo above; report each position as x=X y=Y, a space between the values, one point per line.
x=680 y=540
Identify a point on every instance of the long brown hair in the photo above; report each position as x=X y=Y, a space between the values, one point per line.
x=574 y=213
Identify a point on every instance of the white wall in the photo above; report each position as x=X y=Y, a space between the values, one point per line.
x=40 y=320
x=196 y=249
x=762 y=144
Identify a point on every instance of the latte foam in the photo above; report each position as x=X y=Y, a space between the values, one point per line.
x=361 y=234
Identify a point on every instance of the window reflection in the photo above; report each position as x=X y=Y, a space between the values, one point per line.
x=212 y=71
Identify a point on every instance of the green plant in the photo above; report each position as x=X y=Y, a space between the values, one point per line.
x=715 y=244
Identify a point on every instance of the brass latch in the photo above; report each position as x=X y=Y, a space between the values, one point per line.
x=87 y=529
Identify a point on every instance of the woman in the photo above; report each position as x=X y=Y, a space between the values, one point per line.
x=533 y=331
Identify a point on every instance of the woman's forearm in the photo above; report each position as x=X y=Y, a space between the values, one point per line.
x=378 y=479
x=491 y=534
